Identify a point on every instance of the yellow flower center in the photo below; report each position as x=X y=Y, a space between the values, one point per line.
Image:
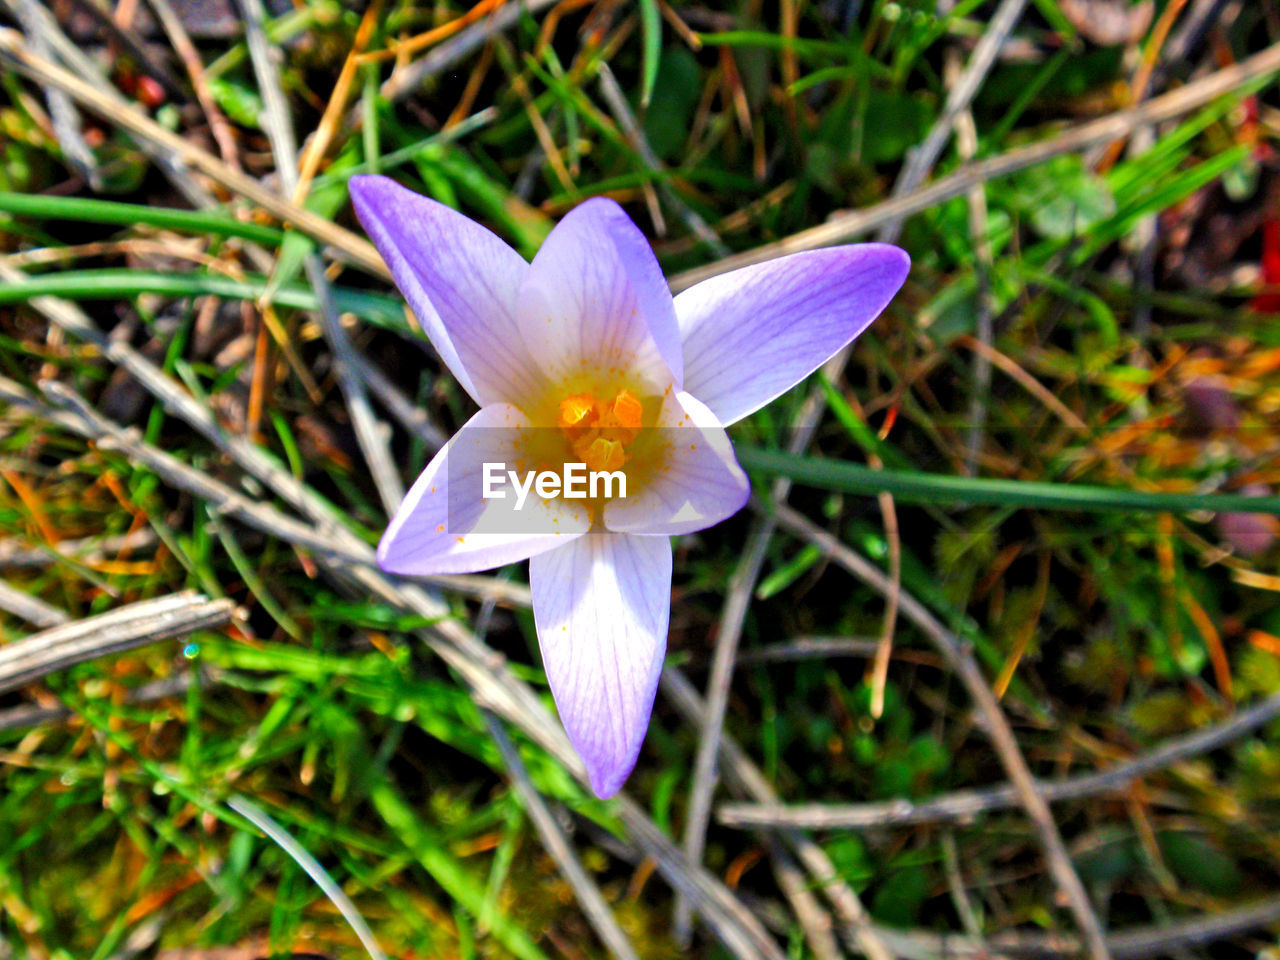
x=599 y=431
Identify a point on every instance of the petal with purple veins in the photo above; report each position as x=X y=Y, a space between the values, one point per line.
x=596 y=299
x=462 y=282
x=445 y=525
x=601 y=605
x=754 y=333
x=697 y=482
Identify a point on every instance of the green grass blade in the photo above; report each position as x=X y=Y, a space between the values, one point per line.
x=128 y=214
x=651 y=35
x=111 y=284
x=915 y=487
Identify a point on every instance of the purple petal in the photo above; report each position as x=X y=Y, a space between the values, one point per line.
x=601 y=605
x=754 y=333
x=462 y=282
x=445 y=526
x=698 y=482
x=596 y=299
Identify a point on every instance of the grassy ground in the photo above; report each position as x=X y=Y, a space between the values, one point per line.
x=1012 y=479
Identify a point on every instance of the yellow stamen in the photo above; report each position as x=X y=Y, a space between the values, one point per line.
x=627 y=410
x=576 y=409
x=601 y=454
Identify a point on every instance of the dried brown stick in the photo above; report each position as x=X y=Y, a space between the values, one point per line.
x=87 y=551
x=372 y=435
x=37 y=18
x=990 y=715
x=960 y=93
x=1164 y=939
x=219 y=126
x=15 y=53
x=20 y=718
x=122 y=629
x=966 y=804
x=745 y=777
x=846 y=226
x=31 y=609
x=557 y=845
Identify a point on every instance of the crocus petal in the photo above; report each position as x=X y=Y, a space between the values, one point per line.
x=445 y=526
x=754 y=333
x=697 y=482
x=461 y=281
x=601 y=605
x=595 y=300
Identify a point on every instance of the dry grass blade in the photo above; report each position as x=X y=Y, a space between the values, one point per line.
x=747 y=779
x=123 y=629
x=846 y=226
x=62 y=112
x=1161 y=940
x=371 y=434
x=19 y=718
x=965 y=804
x=441 y=58
x=960 y=94
x=29 y=608
x=557 y=845
x=14 y=52
x=991 y=717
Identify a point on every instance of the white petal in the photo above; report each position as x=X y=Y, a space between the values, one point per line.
x=754 y=333
x=601 y=605
x=595 y=300
x=698 y=482
x=462 y=282
x=445 y=526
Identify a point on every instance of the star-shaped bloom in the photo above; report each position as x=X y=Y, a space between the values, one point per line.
x=583 y=356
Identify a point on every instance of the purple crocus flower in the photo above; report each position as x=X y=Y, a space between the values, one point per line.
x=579 y=354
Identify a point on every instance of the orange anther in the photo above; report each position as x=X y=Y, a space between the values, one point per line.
x=627 y=410
x=575 y=410
x=602 y=454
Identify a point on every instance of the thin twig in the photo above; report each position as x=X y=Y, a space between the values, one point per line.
x=745 y=777
x=557 y=845
x=408 y=78
x=31 y=609
x=965 y=805
x=20 y=718
x=621 y=110
x=845 y=226
x=303 y=858
x=1161 y=940
x=88 y=551
x=812 y=648
x=219 y=126
x=14 y=52
x=992 y=718
x=62 y=111
x=124 y=628
x=371 y=434
x=959 y=95
x=813 y=920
